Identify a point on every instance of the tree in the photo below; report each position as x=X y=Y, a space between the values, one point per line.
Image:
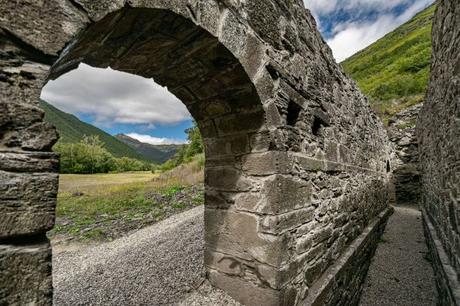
x=187 y=152
x=89 y=156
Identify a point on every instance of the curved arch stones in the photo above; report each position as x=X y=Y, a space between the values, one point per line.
x=296 y=189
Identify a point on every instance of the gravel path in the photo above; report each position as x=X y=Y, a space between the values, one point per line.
x=400 y=274
x=163 y=264
x=157 y=265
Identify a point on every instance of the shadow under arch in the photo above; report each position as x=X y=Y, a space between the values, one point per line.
x=211 y=81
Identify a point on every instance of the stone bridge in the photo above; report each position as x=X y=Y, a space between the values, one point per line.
x=297 y=165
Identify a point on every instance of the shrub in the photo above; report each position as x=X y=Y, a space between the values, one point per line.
x=89 y=156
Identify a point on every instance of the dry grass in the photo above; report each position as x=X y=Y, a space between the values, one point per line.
x=89 y=182
x=91 y=206
x=184 y=175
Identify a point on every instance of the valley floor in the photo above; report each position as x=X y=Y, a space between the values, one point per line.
x=103 y=207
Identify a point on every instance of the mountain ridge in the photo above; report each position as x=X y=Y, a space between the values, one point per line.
x=159 y=153
x=72 y=130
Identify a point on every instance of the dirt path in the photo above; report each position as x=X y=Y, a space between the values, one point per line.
x=400 y=274
x=157 y=265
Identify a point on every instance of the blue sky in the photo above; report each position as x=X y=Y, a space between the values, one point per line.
x=118 y=102
x=351 y=25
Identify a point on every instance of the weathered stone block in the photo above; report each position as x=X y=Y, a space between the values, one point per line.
x=25 y=277
x=304 y=243
x=28 y=161
x=22 y=80
x=274 y=118
x=254 y=55
x=23 y=115
x=313 y=271
x=226 y=178
x=40 y=136
x=97 y=10
x=284 y=194
x=260 y=142
x=209 y=16
x=263 y=18
x=177 y=6
x=245 y=292
x=236 y=233
x=207 y=128
x=4 y=115
x=45 y=25
x=27 y=202
x=267 y=163
x=248 y=201
x=310 y=164
x=232 y=33
x=239 y=144
x=217 y=147
x=332 y=151
x=284 y=222
x=240 y=123
x=223 y=263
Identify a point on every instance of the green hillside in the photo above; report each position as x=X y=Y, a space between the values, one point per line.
x=394 y=71
x=72 y=130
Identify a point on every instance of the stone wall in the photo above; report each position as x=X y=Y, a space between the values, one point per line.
x=438 y=132
x=404 y=165
x=296 y=162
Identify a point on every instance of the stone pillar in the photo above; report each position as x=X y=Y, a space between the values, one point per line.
x=28 y=179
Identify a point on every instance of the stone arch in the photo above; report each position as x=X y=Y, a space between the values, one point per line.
x=296 y=160
x=213 y=84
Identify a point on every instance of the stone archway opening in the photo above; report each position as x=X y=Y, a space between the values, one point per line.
x=211 y=82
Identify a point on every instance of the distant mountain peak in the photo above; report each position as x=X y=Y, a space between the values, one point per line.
x=158 y=153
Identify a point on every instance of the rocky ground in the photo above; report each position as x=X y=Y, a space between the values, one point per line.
x=156 y=205
x=158 y=265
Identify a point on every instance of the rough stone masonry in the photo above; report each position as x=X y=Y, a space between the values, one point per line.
x=296 y=162
x=438 y=130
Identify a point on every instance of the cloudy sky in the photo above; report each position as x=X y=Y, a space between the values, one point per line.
x=118 y=102
x=351 y=25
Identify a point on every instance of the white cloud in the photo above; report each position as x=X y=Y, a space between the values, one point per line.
x=319 y=7
x=322 y=7
x=351 y=37
x=114 y=97
x=155 y=140
x=356 y=36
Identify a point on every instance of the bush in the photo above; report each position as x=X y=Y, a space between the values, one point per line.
x=126 y=164
x=89 y=156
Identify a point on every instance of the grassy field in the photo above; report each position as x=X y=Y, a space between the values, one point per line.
x=107 y=206
x=95 y=182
